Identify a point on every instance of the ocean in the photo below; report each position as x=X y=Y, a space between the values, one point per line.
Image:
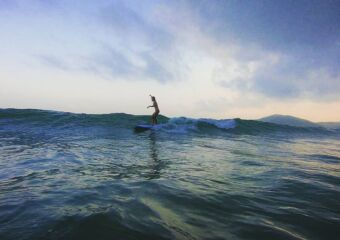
x=91 y=176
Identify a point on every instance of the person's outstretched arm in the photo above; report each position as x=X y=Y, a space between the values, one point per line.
x=153 y=105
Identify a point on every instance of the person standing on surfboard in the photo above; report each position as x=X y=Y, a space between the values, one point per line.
x=155 y=114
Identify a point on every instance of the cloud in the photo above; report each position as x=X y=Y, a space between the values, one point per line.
x=155 y=69
x=53 y=61
x=116 y=62
x=286 y=77
x=111 y=64
x=133 y=28
x=273 y=24
x=258 y=48
x=129 y=65
x=117 y=43
x=145 y=48
x=287 y=50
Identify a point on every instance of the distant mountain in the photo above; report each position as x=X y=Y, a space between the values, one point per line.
x=289 y=120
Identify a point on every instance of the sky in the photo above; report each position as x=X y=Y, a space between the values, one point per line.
x=213 y=58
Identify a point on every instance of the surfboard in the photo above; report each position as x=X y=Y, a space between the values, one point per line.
x=143 y=127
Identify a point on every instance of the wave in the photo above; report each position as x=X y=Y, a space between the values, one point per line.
x=55 y=119
x=234 y=126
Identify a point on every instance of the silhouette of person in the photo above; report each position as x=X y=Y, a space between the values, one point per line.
x=155 y=114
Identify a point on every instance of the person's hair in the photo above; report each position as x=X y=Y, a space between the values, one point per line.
x=153 y=98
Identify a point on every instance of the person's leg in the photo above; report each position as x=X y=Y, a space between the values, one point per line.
x=153 y=119
x=156 y=115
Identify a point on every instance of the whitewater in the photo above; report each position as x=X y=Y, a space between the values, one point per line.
x=91 y=176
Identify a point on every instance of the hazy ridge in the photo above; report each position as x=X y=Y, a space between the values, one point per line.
x=298 y=122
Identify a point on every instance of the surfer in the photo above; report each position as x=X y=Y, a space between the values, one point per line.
x=155 y=114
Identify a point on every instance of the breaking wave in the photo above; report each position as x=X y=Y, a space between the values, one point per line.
x=33 y=118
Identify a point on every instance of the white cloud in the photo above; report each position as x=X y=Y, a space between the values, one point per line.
x=159 y=48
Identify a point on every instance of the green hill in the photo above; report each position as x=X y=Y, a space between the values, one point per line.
x=289 y=120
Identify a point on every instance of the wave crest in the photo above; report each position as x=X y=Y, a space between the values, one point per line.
x=54 y=119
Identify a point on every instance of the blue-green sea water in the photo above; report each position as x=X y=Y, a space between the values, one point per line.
x=82 y=176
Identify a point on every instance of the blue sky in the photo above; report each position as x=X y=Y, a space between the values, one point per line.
x=217 y=59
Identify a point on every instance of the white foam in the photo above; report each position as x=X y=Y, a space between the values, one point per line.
x=184 y=125
x=178 y=125
x=223 y=123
